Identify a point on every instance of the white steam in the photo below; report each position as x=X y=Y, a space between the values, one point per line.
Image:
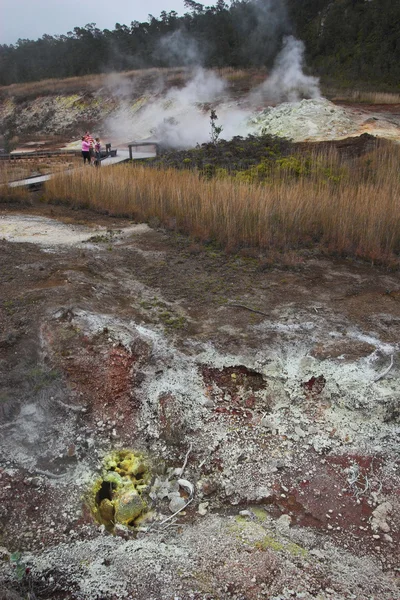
x=288 y=82
x=177 y=49
x=180 y=118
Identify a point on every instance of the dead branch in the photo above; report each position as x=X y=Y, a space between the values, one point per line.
x=254 y=310
x=386 y=370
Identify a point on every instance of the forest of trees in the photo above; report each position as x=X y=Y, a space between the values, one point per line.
x=346 y=40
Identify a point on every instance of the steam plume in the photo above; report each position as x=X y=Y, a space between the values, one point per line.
x=179 y=49
x=287 y=81
x=180 y=117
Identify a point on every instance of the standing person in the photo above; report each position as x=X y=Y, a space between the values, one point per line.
x=97 y=152
x=90 y=141
x=85 y=150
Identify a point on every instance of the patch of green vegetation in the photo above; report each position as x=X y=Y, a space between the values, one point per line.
x=9 y=306
x=259 y=513
x=18 y=565
x=41 y=377
x=4 y=397
x=226 y=158
x=255 y=159
x=246 y=530
x=97 y=239
x=164 y=313
x=171 y=321
x=269 y=543
x=153 y=303
x=101 y=238
x=296 y=550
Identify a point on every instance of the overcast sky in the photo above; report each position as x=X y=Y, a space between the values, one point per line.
x=32 y=18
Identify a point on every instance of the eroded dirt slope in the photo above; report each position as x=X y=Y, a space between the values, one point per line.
x=272 y=384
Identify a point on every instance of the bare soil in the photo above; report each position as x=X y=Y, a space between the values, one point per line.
x=272 y=381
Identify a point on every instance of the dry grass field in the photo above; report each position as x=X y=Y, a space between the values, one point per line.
x=364 y=97
x=13 y=170
x=346 y=208
x=92 y=83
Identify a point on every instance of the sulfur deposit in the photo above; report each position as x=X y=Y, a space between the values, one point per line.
x=117 y=497
x=317 y=119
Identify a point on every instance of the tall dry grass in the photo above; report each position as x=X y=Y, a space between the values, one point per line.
x=362 y=96
x=344 y=209
x=91 y=83
x=11 y=194
x=13 y=170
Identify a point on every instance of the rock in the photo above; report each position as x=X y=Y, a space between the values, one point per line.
x=322 y=445
x=207 y=487
x=106 y=510
x=129 y=506
x=299 y=431
x=171 y=418
x=187 y=486
x=203 y=508
x=379 y=516
x=267 y=424
x=263 y=493
x=283 y=523
x=229 y=488
x=176 y=502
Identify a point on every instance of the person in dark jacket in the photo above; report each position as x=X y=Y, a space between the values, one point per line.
x=97 y=152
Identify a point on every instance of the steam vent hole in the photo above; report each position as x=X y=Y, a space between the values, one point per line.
x=118 y=495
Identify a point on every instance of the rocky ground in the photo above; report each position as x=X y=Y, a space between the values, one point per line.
x=265 y=402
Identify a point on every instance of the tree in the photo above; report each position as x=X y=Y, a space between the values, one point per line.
x=215 y=129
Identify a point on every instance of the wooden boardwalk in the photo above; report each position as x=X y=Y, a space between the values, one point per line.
x=122 y=156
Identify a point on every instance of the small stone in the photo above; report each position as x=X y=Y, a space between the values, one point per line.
x=267 y=423
x=203 y=508
x=284 y=521
x=176 y=502
x=263 y=493
x=229 y=488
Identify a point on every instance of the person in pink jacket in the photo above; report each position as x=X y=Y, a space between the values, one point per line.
x=85 y=150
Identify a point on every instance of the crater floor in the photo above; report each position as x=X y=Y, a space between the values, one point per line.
x=272 y=392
